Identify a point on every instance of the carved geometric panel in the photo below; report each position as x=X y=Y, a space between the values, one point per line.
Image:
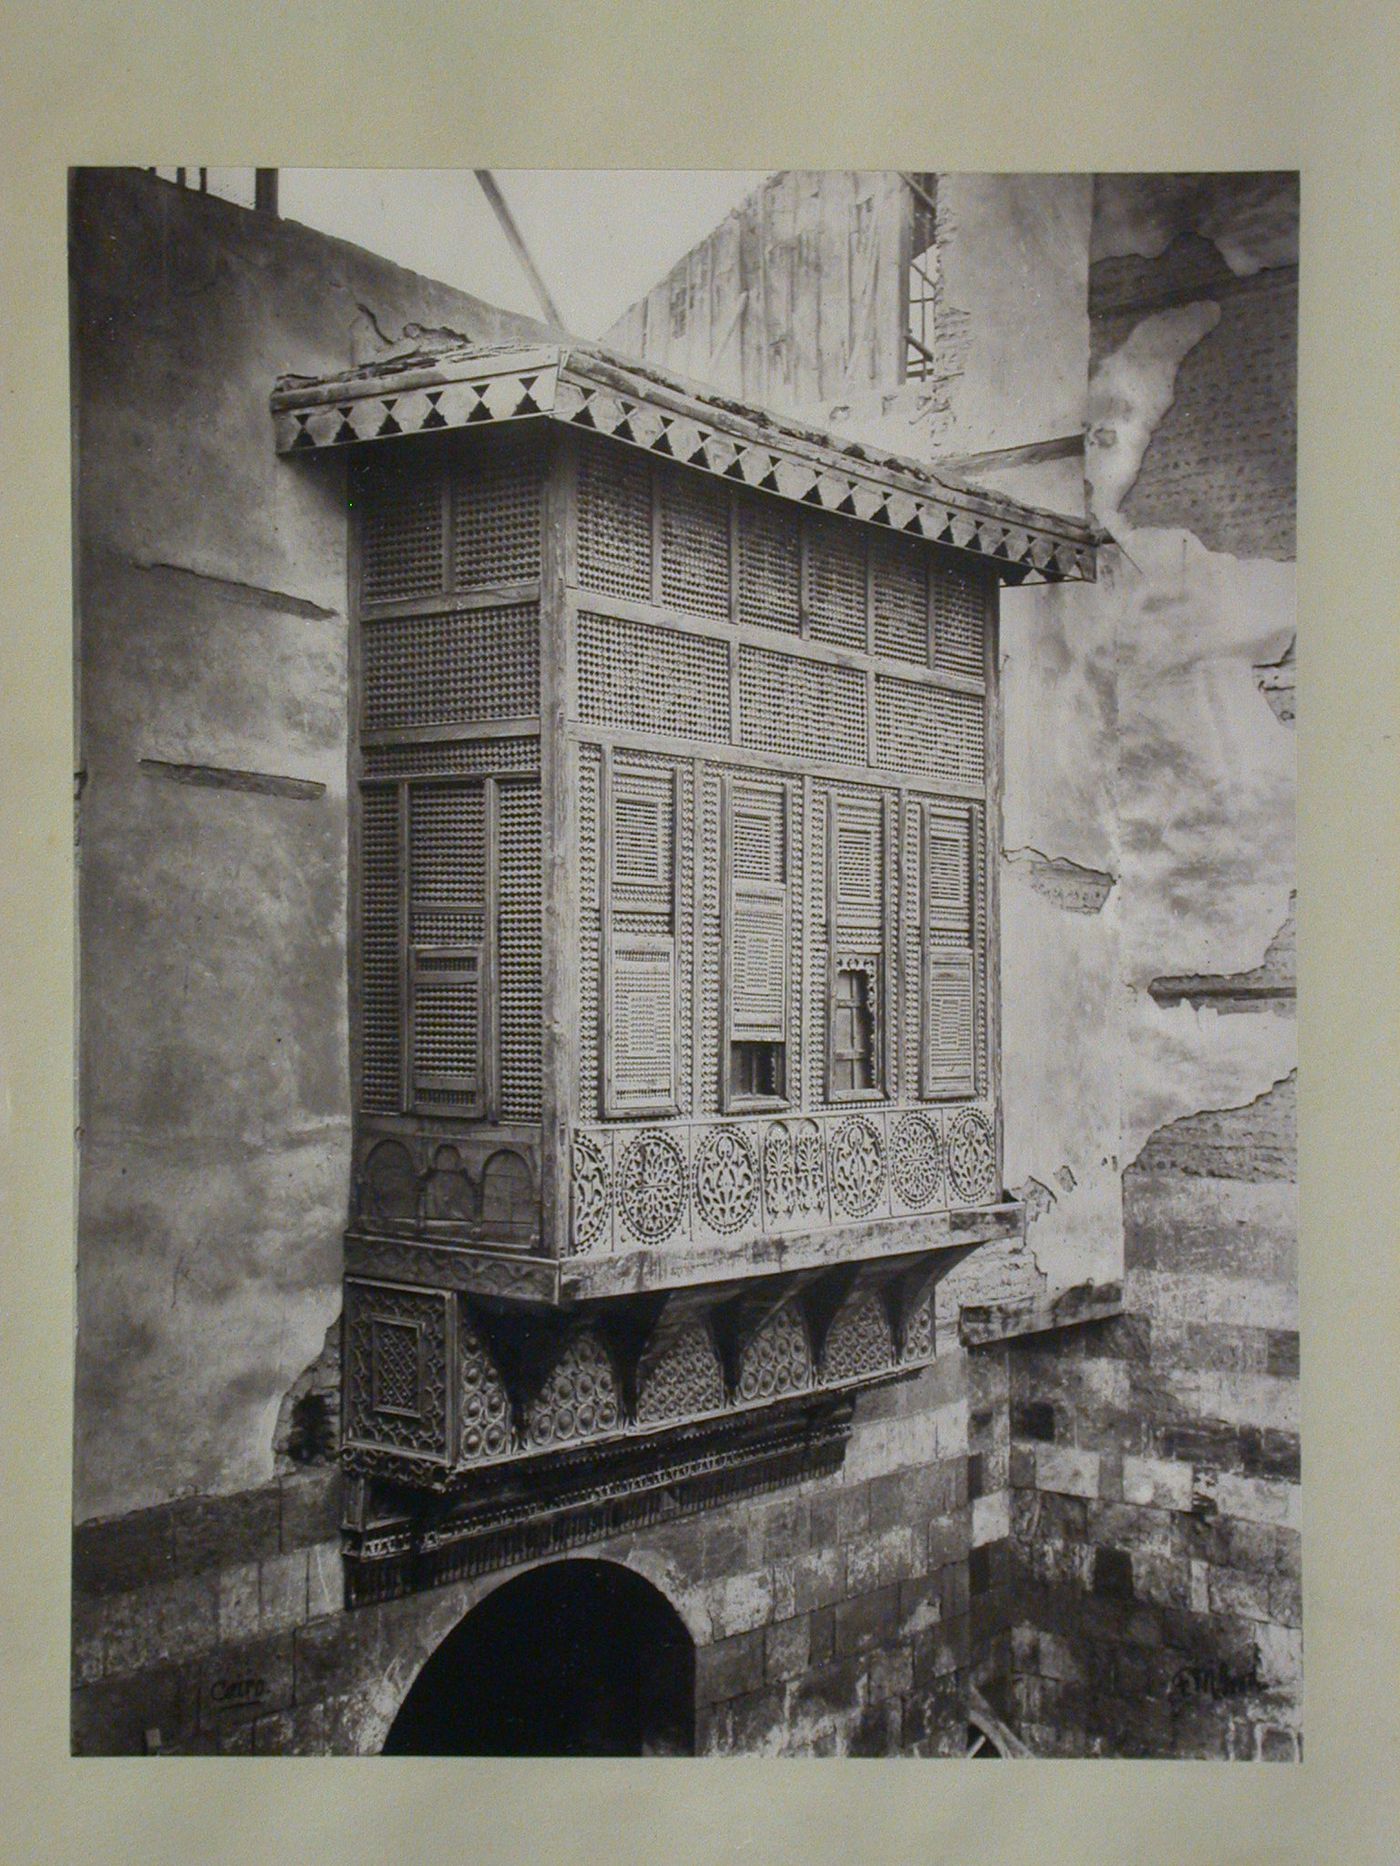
x=857 y=1166
x=580 y=1398
x=939 y=734
x=484 y=1431
x=651 y=1191
x=859 y=1340
x=684 y=1381
x=396 y=1368
x=777 y=1360
x=438 y=670
x=651 y=679
x=971 y=1157
x=794 y=1171
x=916 y=1160
x=799 y=708
x=726 y=1179
x=918 y=1332
x=591 y=1185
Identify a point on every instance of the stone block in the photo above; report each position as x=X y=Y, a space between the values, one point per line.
x=1033 y=1420
x=123 y=1553
x=1277 y=1744
x=112 y=1717
x=1162 y=1483
x=862 y=1565
x=325 y=1580
x=172 y=1621
x=729 y=1667
x=282 y=1591
x=949 y=1539
x=839 y=1514
x=954 y=1588
x=902 y=1555
x=216 y=1532
x=935 y=1718
x=739 y=1603
x=238 y=1601
x=866 y=1621
x=1280 y=1651
x=240 y=1682
x=1285 y=1600
x=831 y=1690
x=1113 y=1573
x=1259 y=1500
x=1231 y=1590
x=783 y=1529
x=890 y=1672
x=941 y=1650
x=991 y=1518
x=787 y=1650
x=311 y=1507
x=822 y=1634
x=1021 y=1467
x=876 y=1729
x=1062 y=1468
x=1164 y=1580
x=818 y=1578
x=726 y=1548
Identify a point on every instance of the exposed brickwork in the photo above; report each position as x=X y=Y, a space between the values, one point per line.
x=1222 y=463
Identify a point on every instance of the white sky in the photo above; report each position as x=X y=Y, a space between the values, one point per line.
x=600 y=237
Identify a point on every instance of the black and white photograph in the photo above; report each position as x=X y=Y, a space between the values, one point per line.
x=685 y=892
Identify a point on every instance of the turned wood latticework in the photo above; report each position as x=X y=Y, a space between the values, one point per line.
x=675 y=965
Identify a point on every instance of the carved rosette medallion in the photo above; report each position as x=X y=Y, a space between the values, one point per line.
x=726 y=1179
x=857 y=1166
x=916 y=1160
x=972 y=1157
x=779 y=1172
x=651 y=1186
x=777 y=1360
x=592 y=1192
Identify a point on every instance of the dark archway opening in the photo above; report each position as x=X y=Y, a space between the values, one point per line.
x=578 y=1658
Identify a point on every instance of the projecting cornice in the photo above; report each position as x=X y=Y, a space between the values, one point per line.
x=422 y=392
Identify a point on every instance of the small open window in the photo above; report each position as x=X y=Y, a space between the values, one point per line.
x=854 y=1036
x=757 y=1071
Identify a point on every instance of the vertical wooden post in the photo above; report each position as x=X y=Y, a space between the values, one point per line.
x=559 y=852
x=991 y=860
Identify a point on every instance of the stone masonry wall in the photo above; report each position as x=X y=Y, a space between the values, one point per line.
x=842 y=1616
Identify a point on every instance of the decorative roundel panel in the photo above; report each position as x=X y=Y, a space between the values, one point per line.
x=916 y=1160
x=483 y=1406
x=972 y=1157
x=651 y=1186
x=578 y=1400
x=592 y=1192
x=856 y=1161
x=726 y=1179
x=777 y=1360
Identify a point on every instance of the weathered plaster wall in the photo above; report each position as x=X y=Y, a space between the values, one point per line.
x=1156 y=1459
x=1011 y=257
x=212 y=641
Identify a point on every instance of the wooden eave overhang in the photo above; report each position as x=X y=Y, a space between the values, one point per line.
x=422 y=391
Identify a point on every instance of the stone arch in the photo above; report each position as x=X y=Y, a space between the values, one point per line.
x=577 y=1656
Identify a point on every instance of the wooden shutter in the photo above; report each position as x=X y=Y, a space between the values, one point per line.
x=756 y=945
x=447 y=1024
x=641 y=1057
x=950 y=995
x=639 y=999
